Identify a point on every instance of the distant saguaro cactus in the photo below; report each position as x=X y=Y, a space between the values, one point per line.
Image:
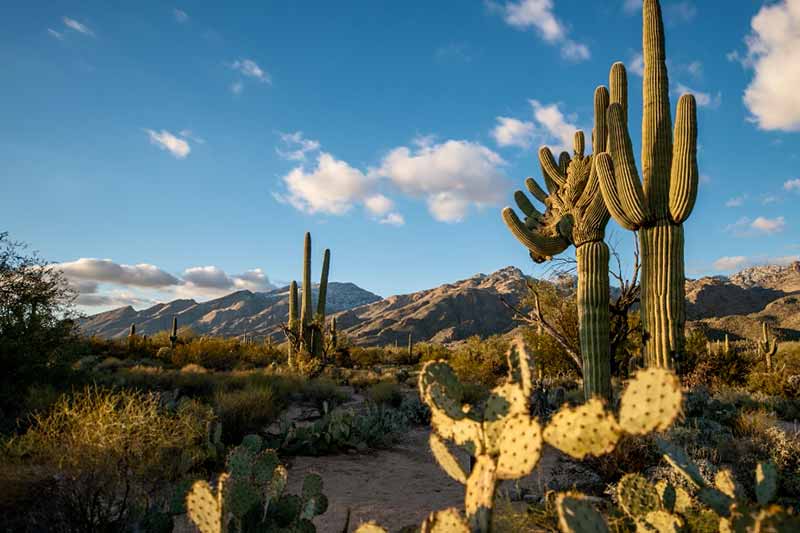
x=656 y=206
x=766 y=347
x=173 y=338
x=576 y=215
x=306 y=333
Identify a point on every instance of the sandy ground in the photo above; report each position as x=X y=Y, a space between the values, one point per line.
x=395 y=487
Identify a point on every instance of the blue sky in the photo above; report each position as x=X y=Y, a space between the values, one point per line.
x=181 y=150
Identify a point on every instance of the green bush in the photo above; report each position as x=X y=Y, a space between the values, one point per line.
x=107 y=455
x=481 y=361
x=385 y=393
x=245 y=411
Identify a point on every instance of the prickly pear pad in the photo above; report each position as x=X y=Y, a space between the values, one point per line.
x=664 y=522
x=520 y=447
x=441 y=373
x=651 y=401
x=576 y=514
x=370 y=527
x=446 y=521
x=637 y=496
x=480 y=485
x=446 y=459
x=504 y=401
x=584 y=430
x=204 y=508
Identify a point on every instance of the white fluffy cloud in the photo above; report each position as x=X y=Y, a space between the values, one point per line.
x=549 y=127
x=104 y=283
x=333 y=187
x=711 y=101
x=746 y=227
x=451 y=176
x=538 y=14
x=180 y=15
x=167 y=141
x=513 y=132
x=792 y=185
x=296 y=146
x=773 y=53
x=739 y=262
x=636 y=64
x=77 y=26
x=107 y=271
x=249 y=68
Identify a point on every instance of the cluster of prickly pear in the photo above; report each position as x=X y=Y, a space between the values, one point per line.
x=306 y=333
x=250 y=495
x=663 y=508
x=506 y=442
x=767 y=346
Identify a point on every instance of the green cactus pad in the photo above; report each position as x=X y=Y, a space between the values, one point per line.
x=584 y=430
x=766 y=482
x=480 y=485
x=205 y=509
x=445 y=521
x=651 y=402
x=286 y=509
x=680 y=461
x=718 y=501
x=520 y=447
x=370 y=527
x=441 y=373
x=252 y=443
x=312 y=486
x=446 y=459
x=240 y=497
x=279 y=479
x=463 y=432
x=666 y=494
x=239 y=462
x=264 y=466
x=663 y=522
x=637 y=496
x=314 y=506
x=519 y=366
x=576 y=514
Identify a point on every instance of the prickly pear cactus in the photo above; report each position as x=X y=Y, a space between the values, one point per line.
x=205 y=508
x=576 y=514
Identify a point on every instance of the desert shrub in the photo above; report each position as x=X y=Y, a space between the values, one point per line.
x=385 y=393
x=365 y=357
x=481 y=361
x=361 y=379
x=719 y=368
x=109 y=455
x=431 y=351
x=38 y=341
x=773 y=384
x=245 y=411
x=322 y=392
x=415 y=410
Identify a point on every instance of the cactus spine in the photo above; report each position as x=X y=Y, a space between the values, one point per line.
x=766 y=347
x=576 y=215
x=657 y=205
x=173 y=337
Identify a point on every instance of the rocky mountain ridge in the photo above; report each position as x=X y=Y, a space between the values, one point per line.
x=454 y=311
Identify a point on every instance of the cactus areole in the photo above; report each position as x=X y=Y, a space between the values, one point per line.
x=656 y=206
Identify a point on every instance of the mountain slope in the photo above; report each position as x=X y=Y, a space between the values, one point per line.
x=253 y=313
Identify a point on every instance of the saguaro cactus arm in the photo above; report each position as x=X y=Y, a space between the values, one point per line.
x=685 y=176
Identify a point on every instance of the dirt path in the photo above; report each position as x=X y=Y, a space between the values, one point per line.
x=395 y=487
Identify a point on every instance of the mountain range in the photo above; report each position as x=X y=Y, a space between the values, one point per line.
x=736 y=305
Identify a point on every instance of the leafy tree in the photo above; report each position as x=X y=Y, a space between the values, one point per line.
x=37 y=324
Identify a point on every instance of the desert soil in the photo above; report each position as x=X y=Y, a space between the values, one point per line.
x=395 y=487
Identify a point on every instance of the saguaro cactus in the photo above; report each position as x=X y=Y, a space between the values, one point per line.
x=306 y=333
x=173 y=337
x=293 y=325
x=576 y=215
x=657 y=205
x=766 y=347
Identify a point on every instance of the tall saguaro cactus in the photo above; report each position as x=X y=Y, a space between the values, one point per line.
x=576 y=215
x=657 y=205
x=767 y=347
x=306 y=332
x=173 y=337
